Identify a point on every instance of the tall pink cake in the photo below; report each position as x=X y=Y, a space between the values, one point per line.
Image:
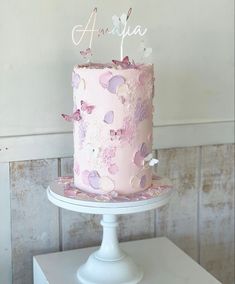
x=112 y=127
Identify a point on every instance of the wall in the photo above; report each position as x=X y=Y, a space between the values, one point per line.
x=193 y=57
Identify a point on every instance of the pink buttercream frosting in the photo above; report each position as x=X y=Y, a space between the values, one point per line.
x=111 y=136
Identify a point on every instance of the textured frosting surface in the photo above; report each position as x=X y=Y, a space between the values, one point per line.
x=113 y=129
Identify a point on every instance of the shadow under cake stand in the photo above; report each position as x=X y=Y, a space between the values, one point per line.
x=109 y=264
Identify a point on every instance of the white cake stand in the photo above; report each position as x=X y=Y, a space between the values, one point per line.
x=109 y=264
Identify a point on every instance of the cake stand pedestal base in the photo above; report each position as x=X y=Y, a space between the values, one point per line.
x=109 y=264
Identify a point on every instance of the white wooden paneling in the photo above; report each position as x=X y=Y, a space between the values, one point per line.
x=35 y=220
x=216 y=204
x=193 y=134
x=5 y=228
x=23 y=148
x=136 y=226
x=46 y=146
x=178 y=220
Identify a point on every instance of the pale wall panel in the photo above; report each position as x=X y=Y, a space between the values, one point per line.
x=136 y=226
x=217 y=212
x=35 y=228
x=192 y=53
x=178 y=220
x=5 y=228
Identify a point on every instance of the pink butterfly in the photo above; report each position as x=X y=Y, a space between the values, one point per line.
x=75 y=116
x=86 y=107
x=116 y=134
x=125 y=63
x=86 y=53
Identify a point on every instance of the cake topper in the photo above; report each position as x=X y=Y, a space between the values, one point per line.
x=120 y=28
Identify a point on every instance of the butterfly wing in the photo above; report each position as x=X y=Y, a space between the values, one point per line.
x=77 y=115
x=112 y=134
x=116 y=22
x=126 y=60
x=117 y=62
x=86 y=107
x=89 y=109
x=83 y=106
x=123 y=19
x=67 y=117
x=148 y=157
x=86 y=53
x=153 y=162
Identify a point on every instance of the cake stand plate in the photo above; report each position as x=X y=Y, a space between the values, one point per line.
x=109 y=264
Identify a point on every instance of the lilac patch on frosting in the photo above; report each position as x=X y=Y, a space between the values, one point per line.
x=143 y=181
x=142 y=110
x=104 y=79
x=75 y=80
x=140 y=155
x=114 y=83
x=109 y=116
x=144 y=150
x=94 y=179
x=138 y=159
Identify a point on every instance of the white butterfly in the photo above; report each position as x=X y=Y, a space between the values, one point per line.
x=148 y=157
x=118 y=23
x=151 y=161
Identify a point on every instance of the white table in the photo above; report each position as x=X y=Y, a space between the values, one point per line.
x=161 y=260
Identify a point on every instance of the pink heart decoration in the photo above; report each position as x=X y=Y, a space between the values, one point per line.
x=113 y=169
x=104 y=79
x=114 y=83
x=108 y=118
x=94 y=179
